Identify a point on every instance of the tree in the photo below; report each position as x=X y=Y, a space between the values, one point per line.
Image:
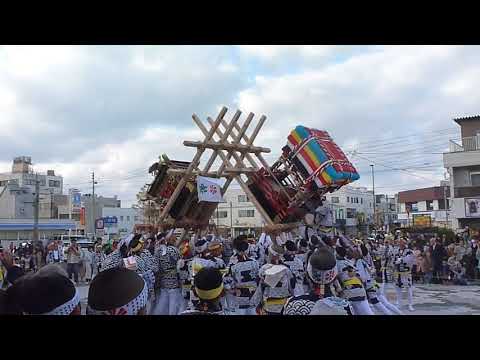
x=151 y=209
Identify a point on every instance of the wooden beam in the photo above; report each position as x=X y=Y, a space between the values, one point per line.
x=223 y=138
x=236 y=140
x=259 y=156
x=255 y=202
x=192 y=165
x=226 y=146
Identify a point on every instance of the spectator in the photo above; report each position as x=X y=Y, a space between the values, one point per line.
x=438 y=258
x=88 y=261
x=416 y=266
x=471 y=259
x=73 y=261
x=458 y=272
x=12 y=271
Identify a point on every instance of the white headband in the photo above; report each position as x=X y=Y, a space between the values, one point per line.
x=131 y=308
x=67 y=308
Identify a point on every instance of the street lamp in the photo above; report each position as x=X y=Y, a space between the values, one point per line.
x=374 y=202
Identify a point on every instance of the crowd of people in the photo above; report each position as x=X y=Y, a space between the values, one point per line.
x=299 y=271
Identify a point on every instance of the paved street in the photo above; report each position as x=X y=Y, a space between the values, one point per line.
x=442 y=300
x=427 y=299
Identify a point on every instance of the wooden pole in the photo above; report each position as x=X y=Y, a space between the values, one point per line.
x=192 y=165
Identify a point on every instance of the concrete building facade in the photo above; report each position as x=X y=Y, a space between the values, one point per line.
x=237 y=213
x=463 y=165
x=127 y=218
x=352 y=208
x=424 y=207
x=23 y=176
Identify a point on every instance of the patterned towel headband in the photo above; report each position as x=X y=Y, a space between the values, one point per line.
x=67 y=308
x=131 y=308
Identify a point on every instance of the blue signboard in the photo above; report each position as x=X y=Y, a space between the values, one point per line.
x=77 y=199
x=110 y=220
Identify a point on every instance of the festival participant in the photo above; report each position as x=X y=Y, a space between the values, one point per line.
x=352 y=286
x=295 y=264
x=184 y=269
x=98 y=258
x=167 y=256
x=117 y=291
x=386 y=263
x=321 y=273
x=403 y=262
x=243 y=272
x=208 y=288
x=365 y=269
x=46 y=292
x=130 y=255
x=276 y=283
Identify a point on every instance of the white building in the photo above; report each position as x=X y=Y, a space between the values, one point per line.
x=424 y=207
x=463 y=165
x=126 y=220
x=238 y=213
x=351 y=206
x=23 y=176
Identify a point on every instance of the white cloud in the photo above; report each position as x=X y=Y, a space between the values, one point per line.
x=115 y=109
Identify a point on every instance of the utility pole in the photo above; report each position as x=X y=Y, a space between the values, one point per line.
x=374 y=201
x=93 y=206
x=36 y=210
x=446 y=205
x=231 y=220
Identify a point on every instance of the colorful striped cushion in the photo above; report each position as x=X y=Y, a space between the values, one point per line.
x=319 y=159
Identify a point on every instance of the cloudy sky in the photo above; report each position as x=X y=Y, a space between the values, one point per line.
x=115 y=109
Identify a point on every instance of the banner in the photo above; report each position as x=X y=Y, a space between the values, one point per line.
x=422 y=221
x=82 y=216
x=209 y=189
x=472 y=207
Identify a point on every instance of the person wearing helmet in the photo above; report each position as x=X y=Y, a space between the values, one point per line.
x=209 y=289
x=364 y=265
x=167 y=256
x=243 y=278
x=276 y=283
x=322 y=299
x=184 y=268
x=404 y=258
x=295 y=264
x=352 y=286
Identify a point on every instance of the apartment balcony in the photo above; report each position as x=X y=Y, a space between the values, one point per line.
x=465 y=154
x=467 y=191
x=471 y=143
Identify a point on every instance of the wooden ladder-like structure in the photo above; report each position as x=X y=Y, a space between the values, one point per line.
x=232 y=142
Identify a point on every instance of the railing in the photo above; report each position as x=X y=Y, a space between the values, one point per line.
x=471 y=143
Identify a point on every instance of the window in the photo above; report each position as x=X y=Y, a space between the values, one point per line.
x=242 y=198
x=135 y=218
x=350 y=213
x=361 y=200
x=429 y=205
x=348 y=199
x=335 y=200
x=475 y=178
x=246 y=213
x=76 y=217
x=356 y=200
x=121 y=218
x=63 y=216
x=128 y=218
x=221 y=214
x=3 y=183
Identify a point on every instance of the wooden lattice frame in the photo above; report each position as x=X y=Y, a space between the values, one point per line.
x=233 y=143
